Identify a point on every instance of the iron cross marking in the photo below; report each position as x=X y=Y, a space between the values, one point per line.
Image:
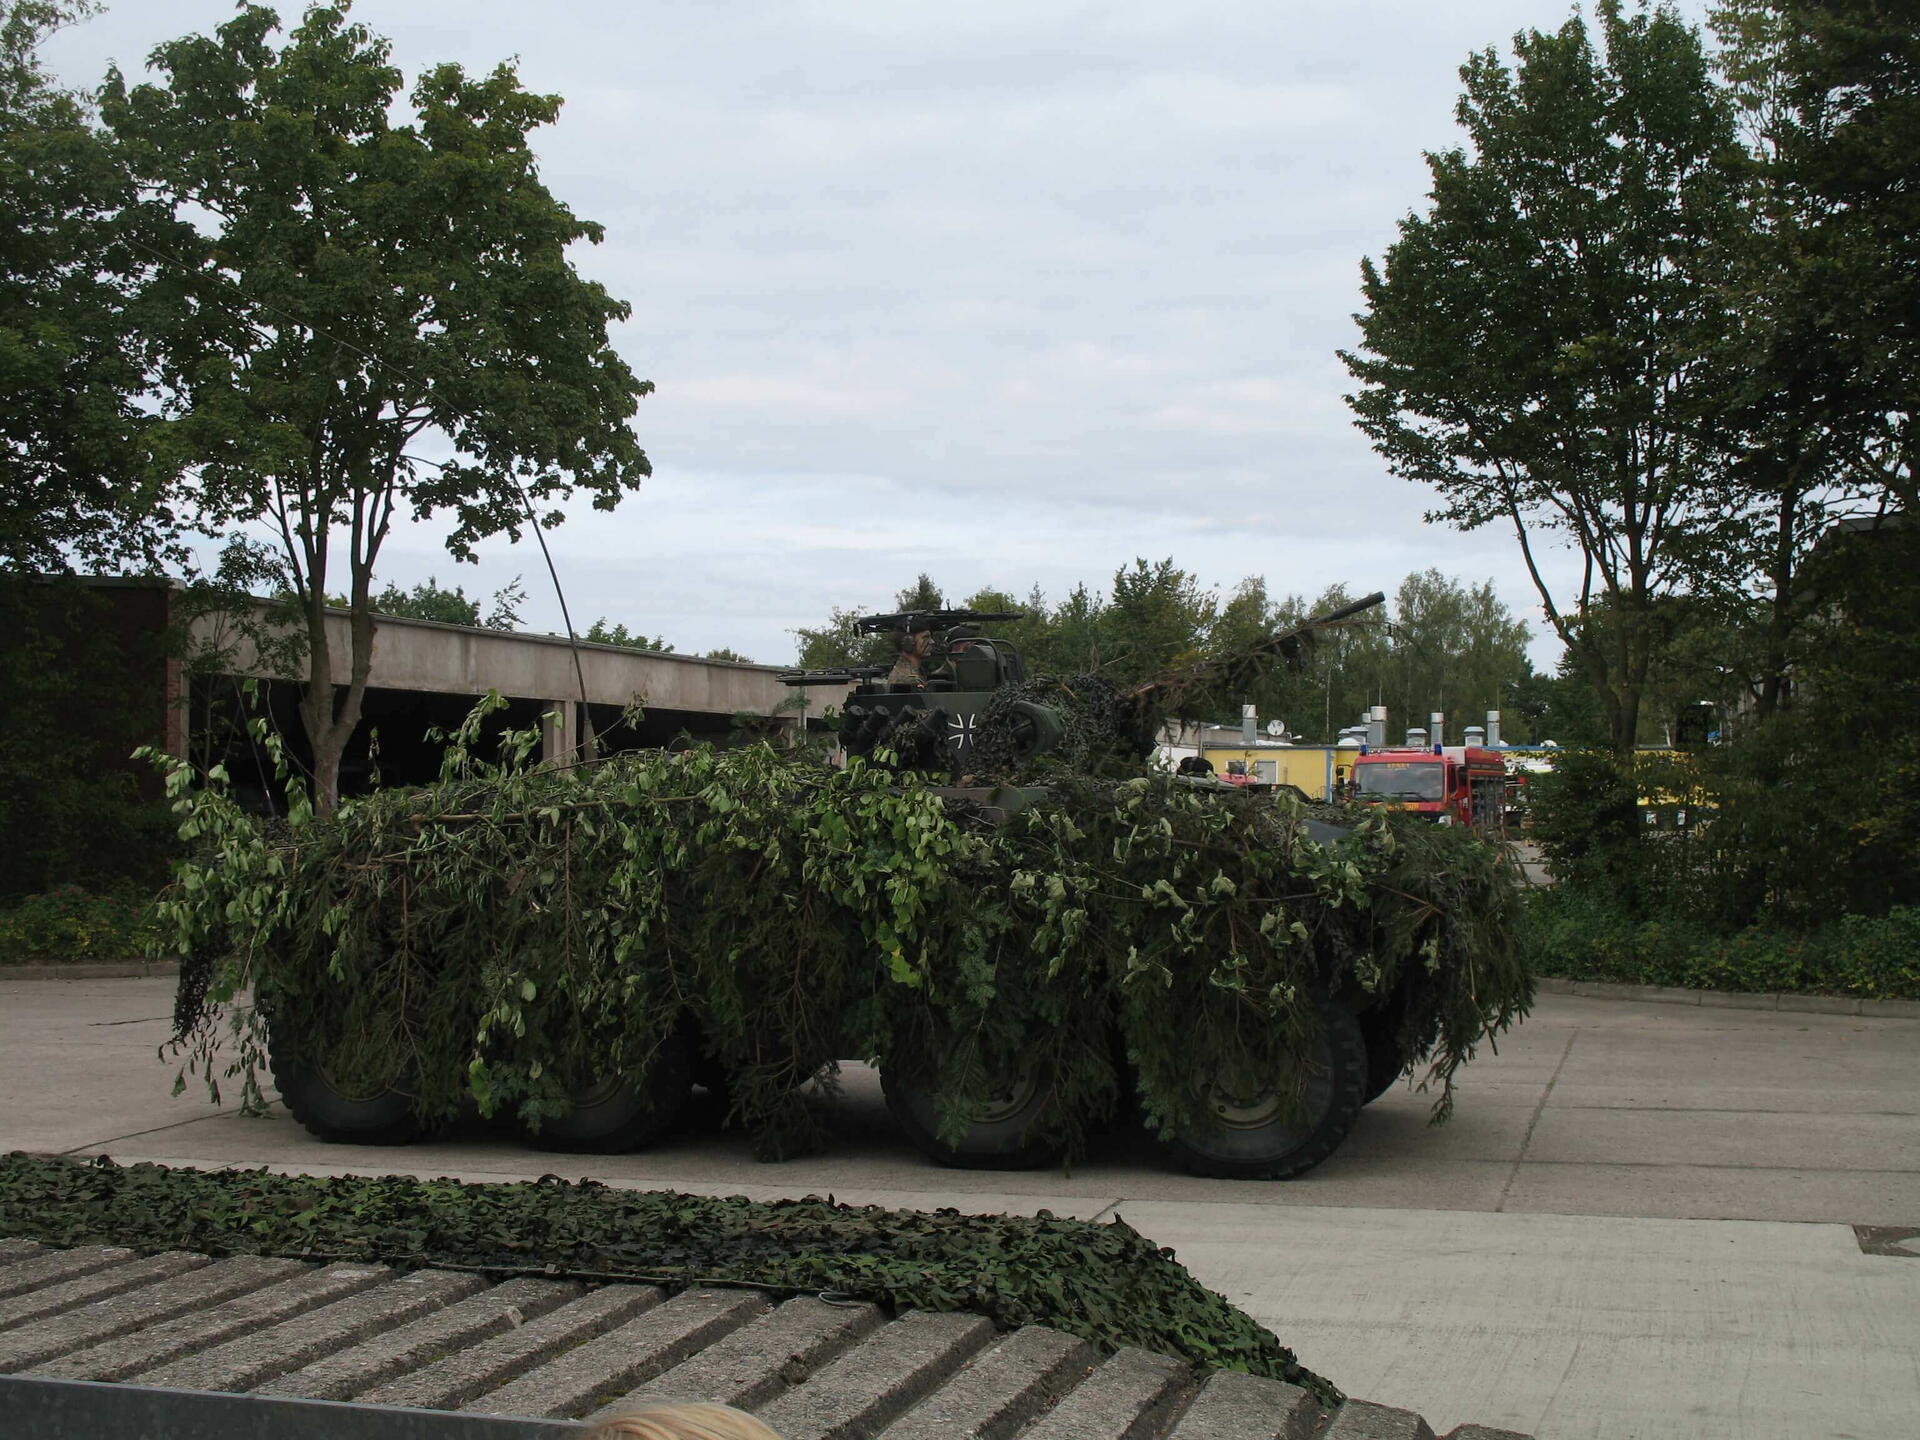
x=960 y=735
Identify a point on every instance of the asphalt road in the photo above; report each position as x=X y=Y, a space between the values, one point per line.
x=1638 y=1222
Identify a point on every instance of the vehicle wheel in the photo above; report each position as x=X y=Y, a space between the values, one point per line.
x=1006 y=1135
x=1386 y=1061
x=620 y=1113
x=1243 y=1130
x=343 y=1113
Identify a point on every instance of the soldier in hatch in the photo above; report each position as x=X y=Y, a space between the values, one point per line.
x=910 y=666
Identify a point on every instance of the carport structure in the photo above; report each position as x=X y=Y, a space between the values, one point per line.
x=426 y=676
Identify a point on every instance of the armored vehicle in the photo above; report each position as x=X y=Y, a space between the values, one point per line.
x=574 y=949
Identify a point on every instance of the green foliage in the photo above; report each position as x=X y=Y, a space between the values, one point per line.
x=75 y=353
x=428 y=601
x=1105 y=1283
x=601 y=633
x=1580 y=936
x=72 y=809
x=373 y=269
x=1540 y=347
x=1587 y=816
x=73 y=924
x=510 y=935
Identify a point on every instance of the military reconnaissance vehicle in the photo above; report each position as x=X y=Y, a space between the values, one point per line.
x=575 y=948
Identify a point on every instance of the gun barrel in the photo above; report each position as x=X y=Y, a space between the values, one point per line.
x=1376 y=598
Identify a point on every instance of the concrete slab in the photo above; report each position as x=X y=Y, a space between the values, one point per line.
x=1746 y=1139
x=1594 y=1108
x=1697 y=1192
x=1576 y=1328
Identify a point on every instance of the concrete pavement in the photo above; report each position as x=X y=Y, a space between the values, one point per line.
x=1636 y=1224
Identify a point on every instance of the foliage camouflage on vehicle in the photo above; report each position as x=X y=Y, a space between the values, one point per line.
x=512 y=934
x=1104 y=1283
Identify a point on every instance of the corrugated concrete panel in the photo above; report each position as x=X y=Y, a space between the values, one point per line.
x=114 y=1280
x=140 y=1309
x=587 y=1377
x=1358 y=1420
x=130 y=1354
x=758 y=1361
x=502 y=1308
x=245 y=1362
x=1232 y=1406
x=450 y=1383
x=54 y=1267
x=1130 y=1397
x=896 y=1367
x=1001 y=1388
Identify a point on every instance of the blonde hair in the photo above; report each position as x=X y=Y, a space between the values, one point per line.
x=681 y=1422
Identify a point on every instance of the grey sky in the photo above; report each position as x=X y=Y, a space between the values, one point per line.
x=1003 y=292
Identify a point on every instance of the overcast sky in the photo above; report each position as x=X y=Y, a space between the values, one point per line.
x=1002 y=292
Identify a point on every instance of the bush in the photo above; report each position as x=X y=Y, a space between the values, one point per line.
x=1576 y=937
x=73 y=924
x=1105 y=1283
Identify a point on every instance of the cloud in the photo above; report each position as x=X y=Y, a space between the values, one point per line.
x=1009 y=292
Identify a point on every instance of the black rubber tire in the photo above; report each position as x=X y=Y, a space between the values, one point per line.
x=1003 y=1139
x=1386 y=1061
x=1279 y=1149
x=384 y=1117
x=612 y=1117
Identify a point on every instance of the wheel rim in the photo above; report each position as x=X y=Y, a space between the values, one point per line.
x=1237 y=1096
x=1022 y=1088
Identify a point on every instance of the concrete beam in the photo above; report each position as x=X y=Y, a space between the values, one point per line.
x=424 y=655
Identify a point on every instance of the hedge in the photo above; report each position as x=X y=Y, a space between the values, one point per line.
x=70 y=923
x=1576 y=938
x=1105 y=1283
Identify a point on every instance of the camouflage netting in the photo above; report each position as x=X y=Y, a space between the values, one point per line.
x=510 y=935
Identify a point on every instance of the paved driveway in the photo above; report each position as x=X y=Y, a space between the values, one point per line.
x=1637 y=1223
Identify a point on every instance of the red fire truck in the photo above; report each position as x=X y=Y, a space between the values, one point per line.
x=1455 y=784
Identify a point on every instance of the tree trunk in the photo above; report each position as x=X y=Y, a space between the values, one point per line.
x=331 y=713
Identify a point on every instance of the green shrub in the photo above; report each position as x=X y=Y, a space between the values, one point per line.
x=73 y=924
x=1105 y=1283
x=1576 y=937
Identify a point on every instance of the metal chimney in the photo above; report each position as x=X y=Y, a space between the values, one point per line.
x=1377 y=728
x=1474 y=736
x=1416 y=739
x=1249 y=726
x=1493 y=727
x=1437 y=722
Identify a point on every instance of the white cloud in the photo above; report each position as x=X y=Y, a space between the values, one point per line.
x=1008 y=292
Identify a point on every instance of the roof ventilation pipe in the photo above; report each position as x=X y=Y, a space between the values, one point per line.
x=1493 y=727
x=1416 y=739
x=1377 y=728
x=1437 y=722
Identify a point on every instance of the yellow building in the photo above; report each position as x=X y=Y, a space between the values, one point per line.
x=1314 y=769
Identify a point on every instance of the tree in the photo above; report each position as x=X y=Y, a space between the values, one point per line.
x=428 y=601
x=1851 y=150
x=601 y=633
x=76 y=481
x=370 y=273
x=1542 y=346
